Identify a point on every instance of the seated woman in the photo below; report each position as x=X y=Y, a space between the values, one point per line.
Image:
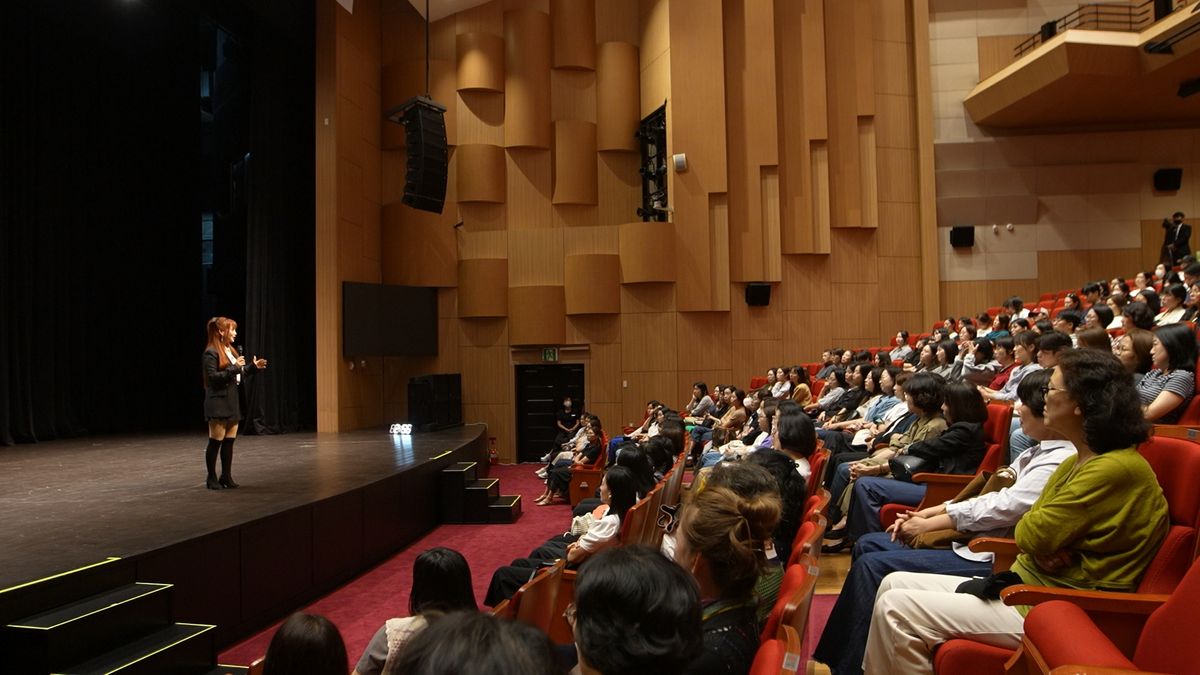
x=1018 y=326
x=306 y=643
x=1173 y=299
x=926 y=359
x=979 y=364
x=1068 y=321
x=1093 y=338
x=441 y=583
x=1141 y=282
x=1099 y=316
x=1133 y=350
x=801 y=391
x=726 y=428
x=1116 y=305
x=835 y=386
x=634 y=586
x=1072 y=303
x=618 y=493
x=999 y=328
x=871 y=411
x=1192 y=304
x=475 y=642
x=1151 y=299
x=1024 y=352
x=782 y=388
x=847 y=407
x=958 y=450
x=989 y=515
x=796 y=438
x=636 y=458
x=900 y=350
x=701 y=403
x=721 y=541
x=946 y=353
x=558 y=478
x=1166 y=390
x=771 y=378
x=924 y=393
x=1136 y=316
x=1098 y=523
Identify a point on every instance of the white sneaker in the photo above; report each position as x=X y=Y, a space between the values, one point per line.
x=541 y=473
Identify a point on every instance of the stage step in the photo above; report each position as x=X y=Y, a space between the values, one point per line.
x=466 y=498
x=505 y=509
x=227 y=670
x=75 y=631
x=181 y=648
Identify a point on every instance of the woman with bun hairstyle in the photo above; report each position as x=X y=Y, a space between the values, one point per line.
x=224 y=369
x=721 y=541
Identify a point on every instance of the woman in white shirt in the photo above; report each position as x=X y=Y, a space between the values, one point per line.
x=783 y=385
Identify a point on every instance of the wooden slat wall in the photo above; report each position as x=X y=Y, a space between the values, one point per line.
x=800 y=122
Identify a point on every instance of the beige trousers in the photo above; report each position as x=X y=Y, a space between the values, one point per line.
x=914 y=613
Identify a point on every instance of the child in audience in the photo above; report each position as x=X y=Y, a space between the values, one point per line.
x=1097 y=525
x=306 y=644
x=441 y=583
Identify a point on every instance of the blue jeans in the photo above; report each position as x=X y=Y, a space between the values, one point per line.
x=875 y=556
x=841 y=478
x=870 y=494
x=710 y=458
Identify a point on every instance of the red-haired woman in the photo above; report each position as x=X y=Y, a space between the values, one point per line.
x=223 y=371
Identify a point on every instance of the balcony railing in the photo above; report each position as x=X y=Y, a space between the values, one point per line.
x=1100 y=16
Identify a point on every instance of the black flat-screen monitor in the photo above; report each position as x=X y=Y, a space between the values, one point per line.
x=383 y=320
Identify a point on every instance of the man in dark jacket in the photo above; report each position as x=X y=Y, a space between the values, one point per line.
x=1176 y=234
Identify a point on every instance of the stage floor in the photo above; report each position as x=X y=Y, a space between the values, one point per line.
x=65 y=504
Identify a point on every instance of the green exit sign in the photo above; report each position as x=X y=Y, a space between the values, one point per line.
x=550 y=354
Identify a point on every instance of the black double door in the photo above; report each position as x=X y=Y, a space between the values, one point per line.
x=540 y=389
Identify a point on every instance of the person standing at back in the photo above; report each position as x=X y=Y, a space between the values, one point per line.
x=1176 y=236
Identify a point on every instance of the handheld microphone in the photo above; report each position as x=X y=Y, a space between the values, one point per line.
x=239 y=349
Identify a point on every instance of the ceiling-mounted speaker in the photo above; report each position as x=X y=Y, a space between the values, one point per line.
x=1168 y=180
x=962 y=236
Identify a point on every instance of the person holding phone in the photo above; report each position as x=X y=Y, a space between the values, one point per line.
x=224 y=368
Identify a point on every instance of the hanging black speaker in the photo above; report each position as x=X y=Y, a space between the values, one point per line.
x=428 y=157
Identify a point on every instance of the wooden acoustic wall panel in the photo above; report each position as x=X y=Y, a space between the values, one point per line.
x=527 y=79
x=841 y=47
x=419 y=248
x=800 y=101
x=574 y=162
x=537 y=315
x=697 y=128
x=617 y=97
x=480 y=173
x=868 y=168
x=574 y=25
x=480 y=62
x=482 y=287
x=647 y=252
x=402 y=81
x=751 y=130
x=593 y=284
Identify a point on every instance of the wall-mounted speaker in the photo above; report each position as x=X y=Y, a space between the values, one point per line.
x=758 y=294
x=428 y=156
x=962 y=236
x=1168 y=180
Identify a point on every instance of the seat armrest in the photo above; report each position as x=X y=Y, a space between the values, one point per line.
x=941 y=487
x=1004 y=551
x=1140 y=604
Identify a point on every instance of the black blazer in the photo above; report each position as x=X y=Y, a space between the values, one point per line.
x=1177 y=240
x=221 y=392
x=959 y=449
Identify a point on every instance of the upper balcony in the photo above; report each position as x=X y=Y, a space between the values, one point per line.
x=1104 y=65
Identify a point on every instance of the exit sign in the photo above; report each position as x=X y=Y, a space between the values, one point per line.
x=550 y=354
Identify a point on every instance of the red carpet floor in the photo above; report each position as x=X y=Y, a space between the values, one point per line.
x=361 y=606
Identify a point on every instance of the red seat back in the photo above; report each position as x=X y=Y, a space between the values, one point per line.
x=816 y=464
x=1163 y=645
x=995 y=435
x=1176 y=464
x=778 y=656
x=799 y=579
x=815 y=387
x=813 y=369
x=634 y=524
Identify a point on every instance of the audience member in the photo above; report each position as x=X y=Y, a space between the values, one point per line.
x=1134 y=351
x=1166 y=390
x=1137 y=315
x=480 y=644
x=441 y=583
x=306 y=644
x=1173 y=299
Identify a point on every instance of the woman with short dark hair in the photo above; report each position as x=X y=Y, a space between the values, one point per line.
x=1166 y=390
x=1134 y=351
x=634 y=588
x=1173 y=299
x=306 y=644
x=1151 y=299
x=1137 y=315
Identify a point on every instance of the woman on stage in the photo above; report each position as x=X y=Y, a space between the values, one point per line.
x=223 y=372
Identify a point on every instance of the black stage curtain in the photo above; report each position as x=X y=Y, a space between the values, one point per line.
x=100 y=311
x=281 y=238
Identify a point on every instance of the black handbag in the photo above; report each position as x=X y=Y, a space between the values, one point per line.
x=905 y=466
